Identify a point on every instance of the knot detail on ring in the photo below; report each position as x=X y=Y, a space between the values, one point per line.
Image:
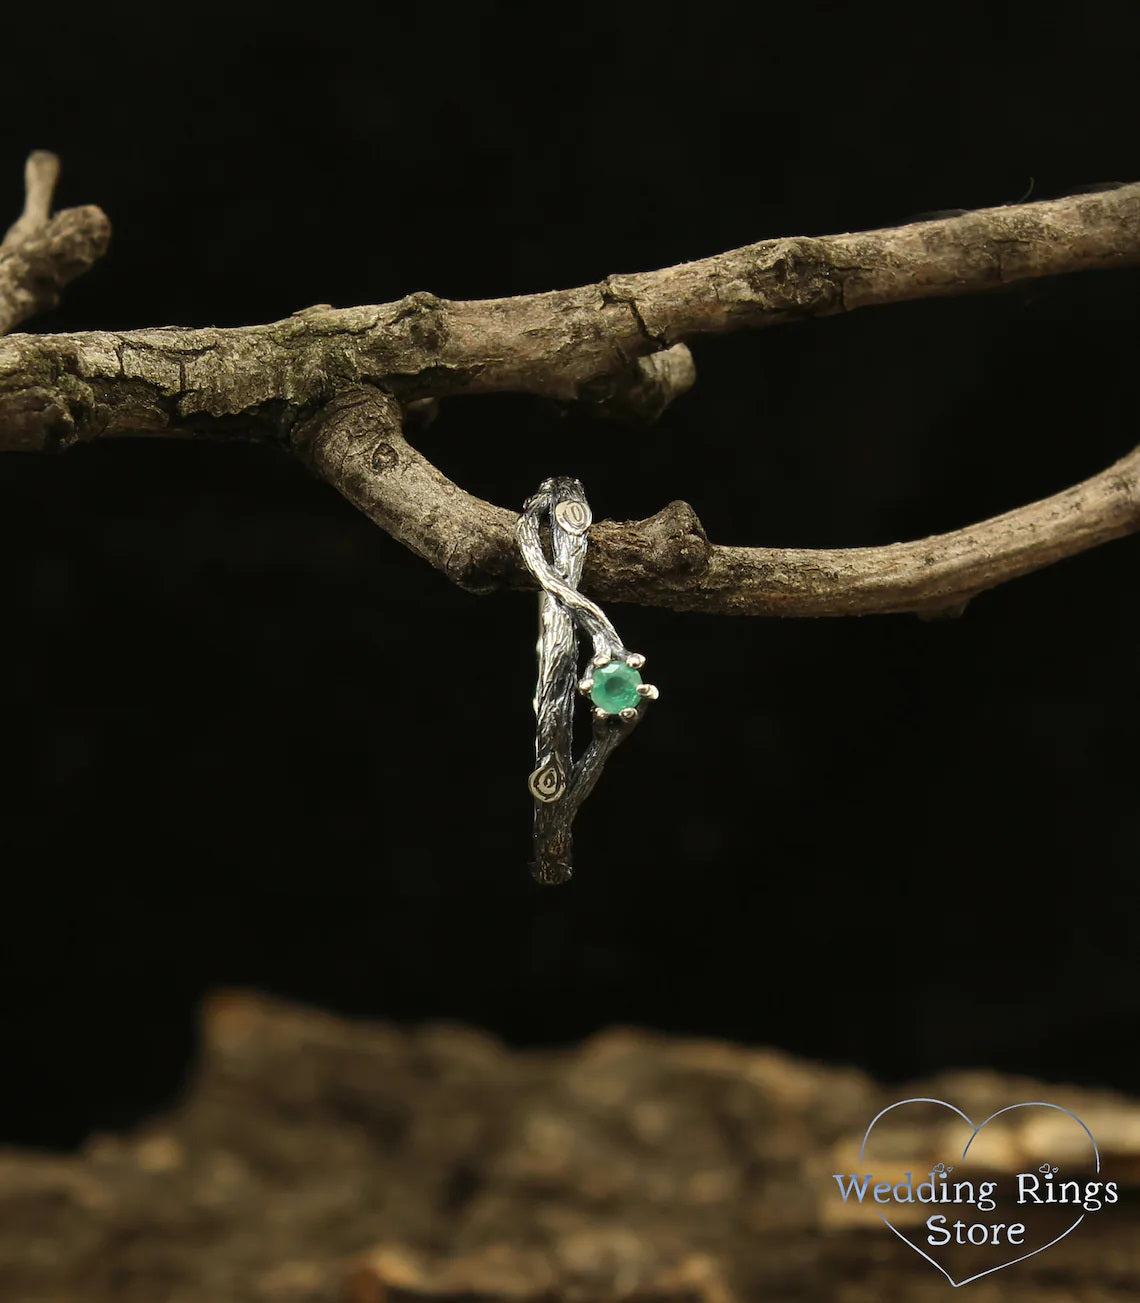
x=573 y=515
x=547 y=783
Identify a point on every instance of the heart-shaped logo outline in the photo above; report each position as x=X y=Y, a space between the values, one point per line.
x=1036 y=1103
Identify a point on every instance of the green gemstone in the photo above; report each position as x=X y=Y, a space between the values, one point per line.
x=615 y=687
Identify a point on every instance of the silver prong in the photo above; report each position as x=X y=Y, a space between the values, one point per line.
x=648 y=691
x=601 y=714
x=630 y=712
x=586 y=684
x=635 y=660
x=602 y=658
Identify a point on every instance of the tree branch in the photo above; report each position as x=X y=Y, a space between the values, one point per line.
x=333 y=384
x=565 y=344
x=41 y=254
x=356 y=444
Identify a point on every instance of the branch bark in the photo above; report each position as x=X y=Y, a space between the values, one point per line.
x=332 y=384
x=356 y=443
x=578 y=344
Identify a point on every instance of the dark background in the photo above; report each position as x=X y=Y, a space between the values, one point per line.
x=249 y=740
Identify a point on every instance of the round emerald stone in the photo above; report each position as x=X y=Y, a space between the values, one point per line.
x=615 y=687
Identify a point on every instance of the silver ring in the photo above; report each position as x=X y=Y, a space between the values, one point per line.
x=611 y=682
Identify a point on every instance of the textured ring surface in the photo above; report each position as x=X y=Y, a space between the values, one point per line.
x=558 y=783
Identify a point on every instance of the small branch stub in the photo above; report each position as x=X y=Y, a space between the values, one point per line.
x=40 y=254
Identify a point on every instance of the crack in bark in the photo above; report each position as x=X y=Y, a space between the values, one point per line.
x=611 y=294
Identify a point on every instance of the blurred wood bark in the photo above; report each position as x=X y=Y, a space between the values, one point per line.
x=316 y=1159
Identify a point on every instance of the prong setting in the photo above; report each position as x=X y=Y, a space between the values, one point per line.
x=648 y=691
x=629 y=712
x=635 y=660
x=602 y=658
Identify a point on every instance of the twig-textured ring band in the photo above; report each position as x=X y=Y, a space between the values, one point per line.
x=611 y=682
